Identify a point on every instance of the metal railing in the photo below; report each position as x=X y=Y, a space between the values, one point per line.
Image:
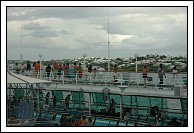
x=109 y=78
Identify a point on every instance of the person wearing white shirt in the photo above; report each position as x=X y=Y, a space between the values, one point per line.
x=101 y=71
x=175 y=74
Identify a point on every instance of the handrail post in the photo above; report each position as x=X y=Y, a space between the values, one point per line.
x=76 y=78
x=105 y=79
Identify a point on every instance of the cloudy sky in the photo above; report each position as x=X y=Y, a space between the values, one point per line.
x=68 y=32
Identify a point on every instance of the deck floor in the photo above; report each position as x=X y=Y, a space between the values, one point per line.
x=114 y=89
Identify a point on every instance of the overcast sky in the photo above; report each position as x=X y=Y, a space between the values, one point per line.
x=69 y=32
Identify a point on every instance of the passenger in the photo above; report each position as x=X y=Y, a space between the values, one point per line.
x=33 y=69
x=127 y=113
x=54 y=98
x=14 y=101
x=115 y=72
x=185 y=123
x=66 y=70
x=112 y=107
x=101 y=71
x=175 y=74
x=17 y=68
x=94 y=73
x=64 y=121
x=67 y=100
x=22 y=68
x=28 y=68
x=11 y=66
x=89 y=122
x=86 y=72
x=145 y=72
x=161 y=74
x=19 y=99
x=46 y=105
x=80 y=70
x=48 y=70
x=173 y=123
x=81 y=122
x=59 y=70
x=55 y=69
x=44 y=71
x=159 y=119
x=35 y=105
x=154 y=111
x=71 y=71
x=75 y=68
x=47 y=98
x=90 y=70
x=37 y=68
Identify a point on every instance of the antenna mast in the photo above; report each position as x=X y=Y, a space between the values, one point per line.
x=108 y=44
x=21 y=55
x=108 y=37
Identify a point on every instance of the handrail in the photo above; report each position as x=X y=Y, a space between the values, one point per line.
x=107 y=79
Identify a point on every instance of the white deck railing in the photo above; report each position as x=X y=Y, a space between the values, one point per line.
x=107 y=78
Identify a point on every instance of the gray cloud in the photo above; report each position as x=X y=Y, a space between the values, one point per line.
x=154 y=30
x=34 y=26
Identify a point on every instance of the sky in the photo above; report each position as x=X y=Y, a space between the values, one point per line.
x=70 y=32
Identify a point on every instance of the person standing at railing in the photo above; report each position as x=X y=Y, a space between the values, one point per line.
x=43 y=70
x=115 y=72
x=33 y=69
x=66 y=70
x=145 y=72
x=75 y=69
x=86 y=72
x=22 y=68
x=28 y=68
x=94 y=73
x=11 y=66
x=55 y=70
x=59 y=70
x=71 y=71
x=79 y=68
x=175 y=75
x=101 y=71
x=37 y=68
x=90 y=71
x=48 y=70
x=17 y=68
x=161 y=74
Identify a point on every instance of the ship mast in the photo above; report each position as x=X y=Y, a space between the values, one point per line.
x=21 y=54
x=108 y=44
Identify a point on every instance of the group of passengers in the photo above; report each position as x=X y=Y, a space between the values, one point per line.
x=54 y=101
x=20 y=68
x=70 y=71
x=83 y=122
x=161 y=116
x=161 y=74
